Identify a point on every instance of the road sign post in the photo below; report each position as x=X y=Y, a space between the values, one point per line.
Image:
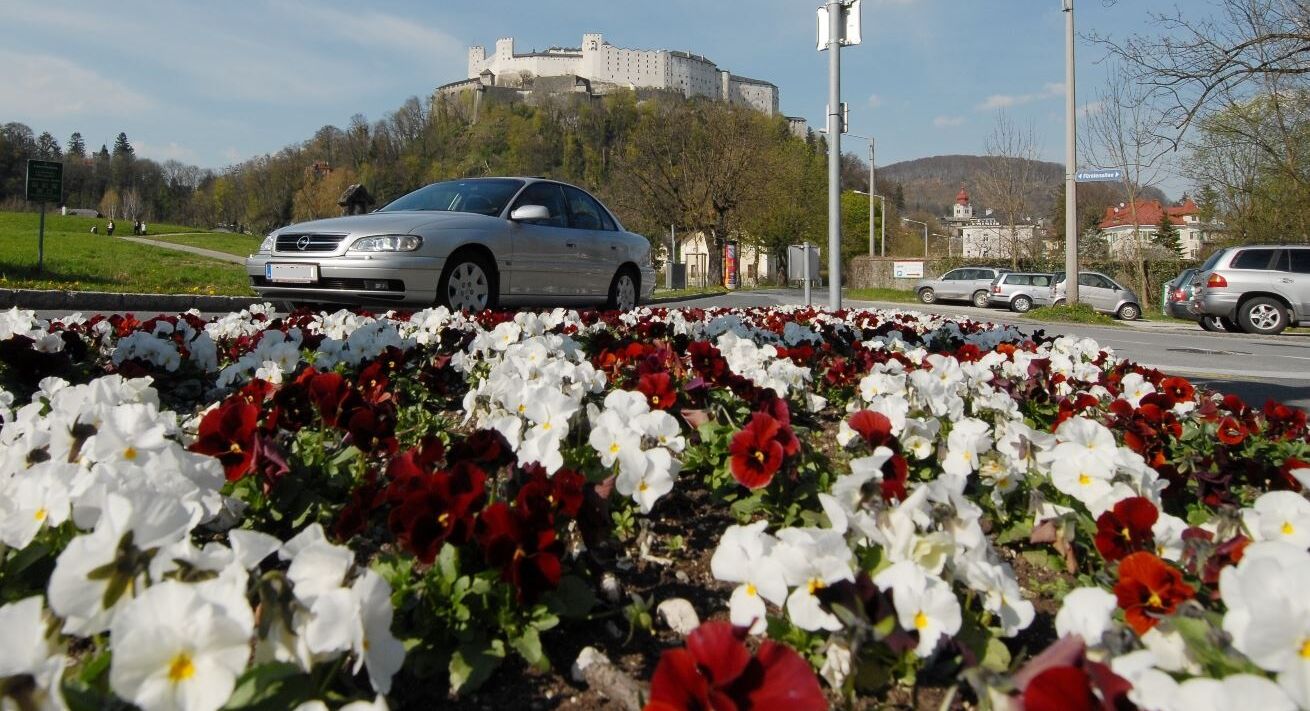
x=45 y=183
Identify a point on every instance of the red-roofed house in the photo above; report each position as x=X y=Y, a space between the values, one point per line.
x=1119 y=228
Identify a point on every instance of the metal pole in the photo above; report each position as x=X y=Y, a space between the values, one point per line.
x=925 y=240
x=40 y=243
x=805 y=269
x=1070 y=162
x=836 y=20
x=673 y=258
x=882 y=227
x=870 y=197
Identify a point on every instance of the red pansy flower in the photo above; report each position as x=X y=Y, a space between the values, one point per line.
x=1231 y=431
x=328 y=392
x=874 y=427
x=755 y=452
x=434 y=508
x=1149 y=587
x=527 y=553
x=1126 y=528
x=658 y=389
x=717 y=673
x=1180 y=389
x=1060 y=689
x=228 y=433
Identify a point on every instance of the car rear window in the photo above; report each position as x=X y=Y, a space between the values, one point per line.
x=1253 y=259
x=1019 y=279
x=1300 y=260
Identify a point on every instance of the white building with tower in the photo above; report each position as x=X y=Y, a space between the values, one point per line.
x=604 y=66
x=985 y=237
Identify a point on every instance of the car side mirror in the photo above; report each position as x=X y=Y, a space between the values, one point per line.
x=528 y=213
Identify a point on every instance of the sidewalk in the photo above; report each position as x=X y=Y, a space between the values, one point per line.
x=222 y=256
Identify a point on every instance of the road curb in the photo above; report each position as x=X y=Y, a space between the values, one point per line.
x=104 y=301
x=678 y=299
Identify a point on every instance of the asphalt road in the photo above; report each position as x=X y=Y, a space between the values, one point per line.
x=1257 y=368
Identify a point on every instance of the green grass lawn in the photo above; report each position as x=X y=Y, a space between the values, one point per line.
x=234 y=244
x=895 y=295
x=1081 y=313
x=77 y=260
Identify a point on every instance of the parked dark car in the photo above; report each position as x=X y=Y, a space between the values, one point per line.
x=1177 y=301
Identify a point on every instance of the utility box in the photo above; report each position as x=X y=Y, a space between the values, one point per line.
x=796 y=262
x=678 y=274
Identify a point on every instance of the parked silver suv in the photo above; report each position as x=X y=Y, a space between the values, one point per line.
x=1020 y=291
x=1263 y=288
x=1101 y=293
x=972 y=284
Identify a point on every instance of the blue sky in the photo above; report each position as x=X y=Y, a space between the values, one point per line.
x=213 y=83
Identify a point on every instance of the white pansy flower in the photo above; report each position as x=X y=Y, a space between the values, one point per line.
x=743 y=557
x=924 y=604
x=1279 y=516
x=173 y=649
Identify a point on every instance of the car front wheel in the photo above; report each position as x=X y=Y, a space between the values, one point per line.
x=1262 y=315
x=981 y=299
x=1129 y=312
x=1021 y=304
x=927 y=296
x=467 y=283
x=623 y=291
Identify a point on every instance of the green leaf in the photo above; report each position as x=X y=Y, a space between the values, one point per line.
x=1018 y=532
x=24 y=559
x=997 y=656
x=271 y=686
x=472 y=664
x=573 y=599
x=448 y=563
x=528 y=645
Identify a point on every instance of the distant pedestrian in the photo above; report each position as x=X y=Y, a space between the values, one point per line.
x=143 y=228
x=136 y=227
x=109 y=228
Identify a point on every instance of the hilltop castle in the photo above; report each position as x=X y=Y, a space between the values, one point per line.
x=598 y=66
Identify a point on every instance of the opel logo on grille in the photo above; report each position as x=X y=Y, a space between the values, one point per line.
x=302 y=244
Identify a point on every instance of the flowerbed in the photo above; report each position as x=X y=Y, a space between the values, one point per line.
x=426 y=509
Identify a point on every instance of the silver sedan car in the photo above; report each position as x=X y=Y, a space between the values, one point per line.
x=468 y=244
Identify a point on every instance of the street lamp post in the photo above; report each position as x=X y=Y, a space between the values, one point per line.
x=1070 y=159
x=925 y=233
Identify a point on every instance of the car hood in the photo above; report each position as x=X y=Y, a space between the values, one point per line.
x=394 y=223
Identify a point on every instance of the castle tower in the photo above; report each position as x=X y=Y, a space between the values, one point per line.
x=592 y=41
x=963 y=210
x=504 y=49
x=477 y=55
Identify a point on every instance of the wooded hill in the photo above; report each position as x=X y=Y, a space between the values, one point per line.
x=931 y=184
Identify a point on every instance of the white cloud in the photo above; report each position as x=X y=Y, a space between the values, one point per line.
x=1091 y=108
x=45 y=87
x=948 y=121
x=172 y=151
x=875 y=101
x=1004 y=101
x=380 y=31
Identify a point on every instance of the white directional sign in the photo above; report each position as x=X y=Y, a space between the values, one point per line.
x=1108 y=175
x=851 y=29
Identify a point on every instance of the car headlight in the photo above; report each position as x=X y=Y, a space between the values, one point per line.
x=387 y=243
x=267 y=245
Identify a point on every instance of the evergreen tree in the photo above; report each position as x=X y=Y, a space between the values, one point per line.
x=48 y=148
x=1166 y=235
x=103 y=154
x=122 y=147
x=76 y=146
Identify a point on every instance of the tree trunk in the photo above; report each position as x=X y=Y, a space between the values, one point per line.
x=714 y=246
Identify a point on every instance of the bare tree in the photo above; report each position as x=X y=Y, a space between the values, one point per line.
x=1010 y=178
x=1196 y=62
x=1122 y=134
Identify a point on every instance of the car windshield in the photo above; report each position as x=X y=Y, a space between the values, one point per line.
x=485 y=196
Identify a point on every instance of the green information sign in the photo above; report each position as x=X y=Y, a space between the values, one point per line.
x=45 y=181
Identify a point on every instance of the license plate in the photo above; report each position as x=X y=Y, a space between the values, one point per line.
x=291 y=273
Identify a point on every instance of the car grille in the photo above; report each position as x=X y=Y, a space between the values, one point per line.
x=337 y=284
x=303 y=243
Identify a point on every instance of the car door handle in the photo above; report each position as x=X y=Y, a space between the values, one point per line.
x=570 y=244
x=1286 y=281
x=614 y=247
